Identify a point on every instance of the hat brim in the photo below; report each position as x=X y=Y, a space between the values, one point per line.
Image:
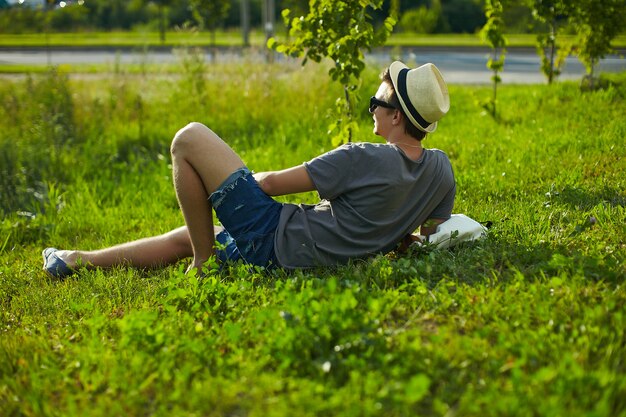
x=394 y=70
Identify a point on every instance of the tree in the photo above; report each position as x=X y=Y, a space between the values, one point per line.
x=493 y=34
x=49 y=6
x=208 y=14
x=339 y=30
x=597 y=22
x=245 y=21
x=268 y=19
x=550 y=12
x=162 y=5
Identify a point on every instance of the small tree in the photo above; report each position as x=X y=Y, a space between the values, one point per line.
x=550 y=12
x=162 y=5
x=49 y=6
x=339 y=30
x=493 y=34
x=208 y=14
x=597 y=22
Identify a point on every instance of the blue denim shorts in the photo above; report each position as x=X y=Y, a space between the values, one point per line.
x=250 y=218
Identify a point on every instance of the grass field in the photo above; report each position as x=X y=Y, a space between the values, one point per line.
x=529 y=322
x=128 y=39
x=234 y=38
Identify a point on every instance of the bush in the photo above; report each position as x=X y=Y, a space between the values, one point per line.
x=22 y=20
x=69 y=18
x=420 y=20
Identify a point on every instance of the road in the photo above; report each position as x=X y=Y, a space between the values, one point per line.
x=459 y=65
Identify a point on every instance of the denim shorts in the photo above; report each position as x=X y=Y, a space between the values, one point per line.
x=250 y=218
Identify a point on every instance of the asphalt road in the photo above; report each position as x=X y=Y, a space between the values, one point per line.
x=459 y=65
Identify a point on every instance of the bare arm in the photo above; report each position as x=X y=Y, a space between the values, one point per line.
x=426 y=229
x=288 y=181
x=430 y=226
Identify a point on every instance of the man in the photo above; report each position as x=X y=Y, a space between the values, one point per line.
x=372 y=195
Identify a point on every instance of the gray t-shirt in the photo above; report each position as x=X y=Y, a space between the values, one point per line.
x=372 y=196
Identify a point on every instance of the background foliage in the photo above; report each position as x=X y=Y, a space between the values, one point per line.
x=451 y=16
x=596 y=24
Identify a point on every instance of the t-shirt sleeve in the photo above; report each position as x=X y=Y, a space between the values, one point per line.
x=444 y=208
x=330 y=172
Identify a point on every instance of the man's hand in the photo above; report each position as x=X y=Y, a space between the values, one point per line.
x=426 y=229
x=288 y=181
x=430 y=226
x=408 y=240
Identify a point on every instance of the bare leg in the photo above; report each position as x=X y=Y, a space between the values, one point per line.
x=151 y=252
x=201 y=162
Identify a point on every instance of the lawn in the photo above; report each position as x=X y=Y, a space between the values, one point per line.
x=128 y=39
x=232 y=38
x=528 y=322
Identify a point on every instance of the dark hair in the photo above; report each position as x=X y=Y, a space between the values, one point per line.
x=409 y=128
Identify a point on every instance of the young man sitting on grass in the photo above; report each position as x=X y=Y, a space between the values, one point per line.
x=373 y=196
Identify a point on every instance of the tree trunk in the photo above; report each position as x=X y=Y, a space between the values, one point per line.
x=213 y=46
x=245 y=21
x=268 y=27
x=161 y=24
x=495 y=84
x=552 y=51
x=348 y=111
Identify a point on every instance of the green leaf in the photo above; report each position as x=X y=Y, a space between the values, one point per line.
x=340 y=30
x=417 y=388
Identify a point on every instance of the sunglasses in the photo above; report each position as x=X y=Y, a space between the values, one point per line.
x=374 y=102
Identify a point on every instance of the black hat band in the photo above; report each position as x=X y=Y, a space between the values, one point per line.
x=402 y=90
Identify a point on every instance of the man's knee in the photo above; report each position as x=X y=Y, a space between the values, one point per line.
x=190 y=137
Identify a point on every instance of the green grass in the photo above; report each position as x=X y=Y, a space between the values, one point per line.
x=473 y=40
x=127 y=39
x=99 y=69
x=234 y=38
x=529 y=321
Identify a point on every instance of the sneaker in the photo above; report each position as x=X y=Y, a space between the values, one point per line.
x=53 y=265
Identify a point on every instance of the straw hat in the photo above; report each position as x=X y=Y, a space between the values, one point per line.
x=422 y=92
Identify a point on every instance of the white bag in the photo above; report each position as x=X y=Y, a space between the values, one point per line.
x=458 y=228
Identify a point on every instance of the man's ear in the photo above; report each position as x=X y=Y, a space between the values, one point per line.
x=397 y=117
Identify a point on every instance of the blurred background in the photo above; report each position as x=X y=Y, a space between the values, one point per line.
x=416 y=16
